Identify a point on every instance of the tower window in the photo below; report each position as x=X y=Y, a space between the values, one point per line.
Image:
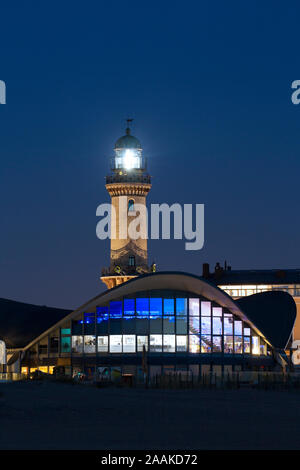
x=131 y=261
x=130 y=205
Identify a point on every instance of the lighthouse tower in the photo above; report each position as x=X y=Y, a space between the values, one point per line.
x=128 y=185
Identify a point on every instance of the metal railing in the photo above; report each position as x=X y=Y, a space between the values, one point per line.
x=128 y=178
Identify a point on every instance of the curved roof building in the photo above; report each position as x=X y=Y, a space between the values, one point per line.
x=167 y=321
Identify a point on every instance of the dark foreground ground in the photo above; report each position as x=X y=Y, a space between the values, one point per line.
x=61 y=416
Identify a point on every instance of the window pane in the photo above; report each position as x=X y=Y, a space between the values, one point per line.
x=129 y=325
x=169 y=325
x=155 y=343
x=54 y=342
x=102 y=310
x=129 y=343
x=181 y=325
x=169 y=308
x=89 y=318
x=228 y=325
x=263 y=348
x=65 y=331
x=228 y=344
x=156 y=307
x=255 y=345
x=205 y=343
x=76 y=327
x=205 y=325
x=181 y=343
x=217 y=311
x=142 y=307
x=194 y=325
x=156 y=325
x=246 y=331
x=194 y=344
x=129 y=307
x=181 y=306
x=131 y=261
x=238 y=345
x=142 y=325
x=217 y=325
x=142 y=341
x=116 y=309
x=102 y=343
x=65 y=344
x=217 y=344
x=130 y=205
x=247 y=344
x=169 y=343
x=116 y=326
x=115 y=343
x=89 y=344
x=194 y=307
x=205 y=309
x=89 y=323
x=77 y=344
x=238 y=328
x=102 y=323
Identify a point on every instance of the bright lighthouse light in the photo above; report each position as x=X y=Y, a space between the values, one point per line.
x=129 y=159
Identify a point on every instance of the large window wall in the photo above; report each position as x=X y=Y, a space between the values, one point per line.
x=247 y=289
x=165 y=323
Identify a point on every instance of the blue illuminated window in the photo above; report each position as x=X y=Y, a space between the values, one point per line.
x=116 y=309
x=89 y=318
x=181 y=306
x=142 y=307
x=129 y=307
x=156 y=307
x=102 y=310
x=102 y=314
x=169 y=308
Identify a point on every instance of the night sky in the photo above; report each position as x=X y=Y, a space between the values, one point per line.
x=209 y=87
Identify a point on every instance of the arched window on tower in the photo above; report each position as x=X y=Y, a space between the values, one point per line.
x=131 y=261
x=130 y=205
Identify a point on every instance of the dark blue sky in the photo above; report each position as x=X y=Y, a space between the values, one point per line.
x=209 y=87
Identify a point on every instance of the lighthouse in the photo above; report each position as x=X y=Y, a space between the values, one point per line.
x=128 y=185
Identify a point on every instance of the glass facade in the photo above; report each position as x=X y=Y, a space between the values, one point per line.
x=164 y=324
x=179 y=332
x=247 y=289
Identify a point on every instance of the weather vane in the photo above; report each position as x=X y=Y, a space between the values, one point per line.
x=129 y=121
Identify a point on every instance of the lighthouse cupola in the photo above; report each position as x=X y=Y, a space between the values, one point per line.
x=128 y=185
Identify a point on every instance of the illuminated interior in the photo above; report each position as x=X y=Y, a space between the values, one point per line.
x=245 y=289
x=128 y=159
x=163 y=325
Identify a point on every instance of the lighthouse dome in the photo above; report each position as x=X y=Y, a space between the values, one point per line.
x=128 y=141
